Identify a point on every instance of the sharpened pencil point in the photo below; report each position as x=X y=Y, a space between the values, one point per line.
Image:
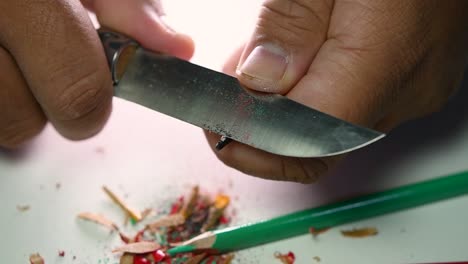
x=180 y=249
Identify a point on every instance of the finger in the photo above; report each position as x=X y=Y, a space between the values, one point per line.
x=141 y=19
x=21 y=118
x=287 y=37
x=260 y=163
x=60 y=55
x=266 y=165
x=361 y=71
x=230 y=65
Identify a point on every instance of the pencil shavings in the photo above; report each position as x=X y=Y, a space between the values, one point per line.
x=360 y=233
x=23 y=208
x=228 y=259
x=315 y=232
x=138 y=247
x=167 y=221
x=196 y=259
x=176 y=207
x=221 y=201
x=126 y=259
x=147 y=212
x=36 y=259
x=144 y=214
x=216 y=211
x=184 y=221
x=125 y=238
x=288 y=258
x=187 y=209
x=98 y=219
x=133 y=213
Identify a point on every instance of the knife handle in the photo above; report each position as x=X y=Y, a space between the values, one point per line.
x=119 y=50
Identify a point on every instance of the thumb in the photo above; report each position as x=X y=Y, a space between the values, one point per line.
x=141 y=19
x=348 y=83
x=286 y=38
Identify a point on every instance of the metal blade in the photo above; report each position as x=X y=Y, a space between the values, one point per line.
x=217 y=102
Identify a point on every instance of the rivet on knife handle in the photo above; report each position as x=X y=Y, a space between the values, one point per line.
x=217 y=102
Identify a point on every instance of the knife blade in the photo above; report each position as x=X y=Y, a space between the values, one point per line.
x=219 y=103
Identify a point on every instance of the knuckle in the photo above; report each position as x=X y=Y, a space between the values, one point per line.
x=15 y=132
x=81 y=95
x=291 y=20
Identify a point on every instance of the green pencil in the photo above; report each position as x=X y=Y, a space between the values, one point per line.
x=254 y=234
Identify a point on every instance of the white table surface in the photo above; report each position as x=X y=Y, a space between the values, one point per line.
x=140 y=153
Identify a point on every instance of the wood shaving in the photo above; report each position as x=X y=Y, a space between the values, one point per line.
x=360 y=232
x=23 y=208
x=221 y=201
x=125 y=238
x=187 y=210
x=147 y=212
x=228 y=259
x=98 y=219
x=167 y=221
x=126 y=259
x=36 y=259
x=138 y=247
x=133 y=213
x=196 y=259
x=126 y=219
x=216 y=211
x=288 y=258
x=316 y=232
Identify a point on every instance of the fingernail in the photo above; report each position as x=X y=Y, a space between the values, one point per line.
x=265 y=67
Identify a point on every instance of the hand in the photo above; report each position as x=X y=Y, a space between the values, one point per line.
x=372 y=63
x=53 y=65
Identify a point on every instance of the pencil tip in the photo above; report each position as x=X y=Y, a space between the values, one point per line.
x=180 y=249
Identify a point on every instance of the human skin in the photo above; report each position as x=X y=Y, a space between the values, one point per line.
x=376 y=63
x=53 y=66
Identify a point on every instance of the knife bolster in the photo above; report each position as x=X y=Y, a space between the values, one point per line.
x=119 y=50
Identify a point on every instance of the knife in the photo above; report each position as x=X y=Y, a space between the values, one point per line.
x=219 y=103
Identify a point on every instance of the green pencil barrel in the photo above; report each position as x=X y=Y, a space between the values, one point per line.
x=342 y=212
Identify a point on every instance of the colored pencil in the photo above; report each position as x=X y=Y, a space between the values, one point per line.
x=299 y=223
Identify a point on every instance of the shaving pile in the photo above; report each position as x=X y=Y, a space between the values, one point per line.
x=188 y=217
x=288 y=258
